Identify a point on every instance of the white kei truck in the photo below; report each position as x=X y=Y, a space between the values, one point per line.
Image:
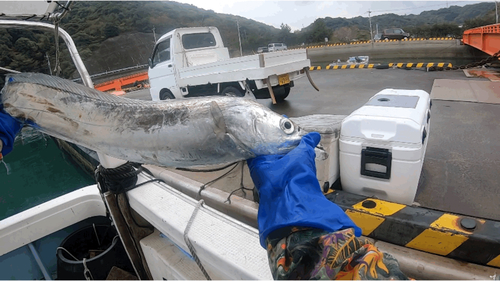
x=193 y=62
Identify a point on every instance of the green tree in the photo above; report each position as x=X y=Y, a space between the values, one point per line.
x=111 y=30
x=346 y=34
x=479 y=21
x=319 y=32
x=284 y=33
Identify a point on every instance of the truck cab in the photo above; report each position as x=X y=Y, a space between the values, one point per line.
x=181 y=48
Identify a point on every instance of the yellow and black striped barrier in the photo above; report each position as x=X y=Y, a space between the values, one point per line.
x=376 y=41
x=450 y=235
x=422 y=64
x=441 y=65
x=352 y=66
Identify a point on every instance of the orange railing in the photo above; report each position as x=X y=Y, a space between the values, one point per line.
x=118 y=84
x=485 y=38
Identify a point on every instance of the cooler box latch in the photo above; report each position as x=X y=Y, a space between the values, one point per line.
x=376 y=162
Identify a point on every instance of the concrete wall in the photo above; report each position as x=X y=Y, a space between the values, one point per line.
x=399 y=51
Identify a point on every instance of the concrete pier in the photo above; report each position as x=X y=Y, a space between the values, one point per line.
x=399 y=51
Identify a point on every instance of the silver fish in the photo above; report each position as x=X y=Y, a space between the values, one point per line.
x=176 y=133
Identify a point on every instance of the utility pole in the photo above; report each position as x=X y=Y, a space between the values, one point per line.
x=239 y=38
x=370 y=19
x=496 y=11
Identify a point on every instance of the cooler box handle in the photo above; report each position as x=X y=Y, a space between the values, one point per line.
x=379 y=156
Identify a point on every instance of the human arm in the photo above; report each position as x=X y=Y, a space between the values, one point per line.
x=307 y=236
x=290 y=194
x=9 y=127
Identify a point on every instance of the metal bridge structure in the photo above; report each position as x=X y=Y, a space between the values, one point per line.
x=485 y=38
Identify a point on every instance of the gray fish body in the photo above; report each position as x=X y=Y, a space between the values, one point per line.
x=177 y=133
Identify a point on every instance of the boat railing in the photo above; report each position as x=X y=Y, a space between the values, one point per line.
x=106 y=160
x=75 y=56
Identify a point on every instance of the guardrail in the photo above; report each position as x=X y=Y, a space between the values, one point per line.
x=113 y=72
x=118 y=83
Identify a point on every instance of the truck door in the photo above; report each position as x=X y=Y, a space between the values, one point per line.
x=161 y=72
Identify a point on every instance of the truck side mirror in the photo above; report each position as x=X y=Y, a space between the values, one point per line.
x=150 y=63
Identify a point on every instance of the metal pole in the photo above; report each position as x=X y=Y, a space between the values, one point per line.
x=239 y=38
x=35 y=254
x=496 y=11
x=371 y=33
x=48 y=62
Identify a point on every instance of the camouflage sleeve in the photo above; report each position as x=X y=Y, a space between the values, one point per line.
x=307 y=253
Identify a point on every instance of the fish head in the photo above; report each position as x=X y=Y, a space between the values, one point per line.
x=262 y=131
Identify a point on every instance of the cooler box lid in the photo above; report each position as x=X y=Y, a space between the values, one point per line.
x=390 y=116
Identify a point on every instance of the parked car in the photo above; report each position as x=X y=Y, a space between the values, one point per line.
x=262 y=50
x=273 y=47
x=394 y=33
x=377 y=36
x=358 y=60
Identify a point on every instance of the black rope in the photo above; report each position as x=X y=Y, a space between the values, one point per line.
x=206 y=170
x=489 y=59
x=117 y=180
x=62 y=6
x=216 y=179
x=242 y=186
x=30 y=17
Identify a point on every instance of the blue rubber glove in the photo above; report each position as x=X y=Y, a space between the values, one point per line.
x=290 y=195
x=9 y=127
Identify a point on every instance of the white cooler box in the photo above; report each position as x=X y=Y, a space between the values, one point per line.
x=383 y=143
x=327 y=170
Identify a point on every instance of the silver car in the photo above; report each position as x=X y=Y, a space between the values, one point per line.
x=273 y=47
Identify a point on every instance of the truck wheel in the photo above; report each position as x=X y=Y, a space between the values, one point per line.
x=282 y=95
x=231 y=91
x=166 y=95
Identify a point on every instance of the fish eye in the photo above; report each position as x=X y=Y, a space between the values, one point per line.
x=287 y=126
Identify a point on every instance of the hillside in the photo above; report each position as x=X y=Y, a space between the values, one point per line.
x=116 y=34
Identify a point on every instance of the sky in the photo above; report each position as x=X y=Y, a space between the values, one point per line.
x=299 y=14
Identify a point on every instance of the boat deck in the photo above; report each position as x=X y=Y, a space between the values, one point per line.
x=462 y=162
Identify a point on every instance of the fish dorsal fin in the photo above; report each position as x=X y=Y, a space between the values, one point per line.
x=220 y=124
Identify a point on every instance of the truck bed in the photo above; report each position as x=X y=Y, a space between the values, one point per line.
x=259 y=66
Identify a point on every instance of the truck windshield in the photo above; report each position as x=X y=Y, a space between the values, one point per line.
x=162 y=52
x=198 y=40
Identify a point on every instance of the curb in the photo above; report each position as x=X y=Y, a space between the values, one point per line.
x=352 y=66
x=441 y=65
x=315 y=68
x=445 y=234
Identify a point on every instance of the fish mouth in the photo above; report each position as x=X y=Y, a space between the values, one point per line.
x=301 y=132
